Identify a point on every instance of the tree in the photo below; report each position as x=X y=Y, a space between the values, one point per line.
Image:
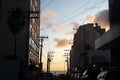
x=16 y=23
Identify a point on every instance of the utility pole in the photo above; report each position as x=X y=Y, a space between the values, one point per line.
x=49 y=59
x=40 y=55
x=67 y=59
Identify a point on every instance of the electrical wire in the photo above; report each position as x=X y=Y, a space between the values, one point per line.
x=44 y=31
x=47 y=5
x=74 y=11
x=61 y=20
x=42 y=1
x=74 y=16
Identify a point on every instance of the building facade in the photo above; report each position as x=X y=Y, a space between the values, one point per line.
x=19 y=32
x=111 y=39
x=34 y=32
x=14 y=40
x=100 y=58
x=27 y=38
x=84 y=40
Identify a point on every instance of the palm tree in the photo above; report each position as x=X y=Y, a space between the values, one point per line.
x=15 y=23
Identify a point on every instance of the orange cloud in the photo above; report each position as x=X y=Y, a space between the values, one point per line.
x=75 y=24
x=70 y=33
x=45 y=21
x=90 y=18
x=102 y=18
x=49 y=13
x=59 y=29
x=61 y=43
x=64 y=28
x=45 y=18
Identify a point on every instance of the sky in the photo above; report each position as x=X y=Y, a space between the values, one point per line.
x=58 y=21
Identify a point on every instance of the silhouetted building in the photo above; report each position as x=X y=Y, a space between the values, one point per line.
x=84 y=40
x=114 y=8
x=19 y=32
x=111 y=39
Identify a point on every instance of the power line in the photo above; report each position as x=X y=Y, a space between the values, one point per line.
x=75 y=10
x=42 y=1
x=44 y=31
x=63 y=18
x=93 y=6
x=101 y=2
x=72 y=17
x=69 y=13
x=47 y=4
x=84 y=11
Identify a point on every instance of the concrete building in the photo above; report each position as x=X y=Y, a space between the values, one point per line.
x=84 y=40
x=34 y=32
x=19 y=32
x=111 y=39
x=99 y=57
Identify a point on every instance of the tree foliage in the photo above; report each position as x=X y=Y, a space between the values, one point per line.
x=16 y=20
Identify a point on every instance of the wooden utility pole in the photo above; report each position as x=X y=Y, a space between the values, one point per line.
x=67 y=59
x=40 y=55
x=49 y=59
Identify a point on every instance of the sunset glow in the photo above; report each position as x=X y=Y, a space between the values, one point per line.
x=58 y=20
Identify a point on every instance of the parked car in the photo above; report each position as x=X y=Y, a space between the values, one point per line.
x=109 y=75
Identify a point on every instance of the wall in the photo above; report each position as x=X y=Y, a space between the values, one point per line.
x=7 y=39
x=9 y=70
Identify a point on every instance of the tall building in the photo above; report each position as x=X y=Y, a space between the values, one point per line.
x=14 y=38
x=34 y=32
x=19 y=32
x=84 y=40
x=111 y=39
